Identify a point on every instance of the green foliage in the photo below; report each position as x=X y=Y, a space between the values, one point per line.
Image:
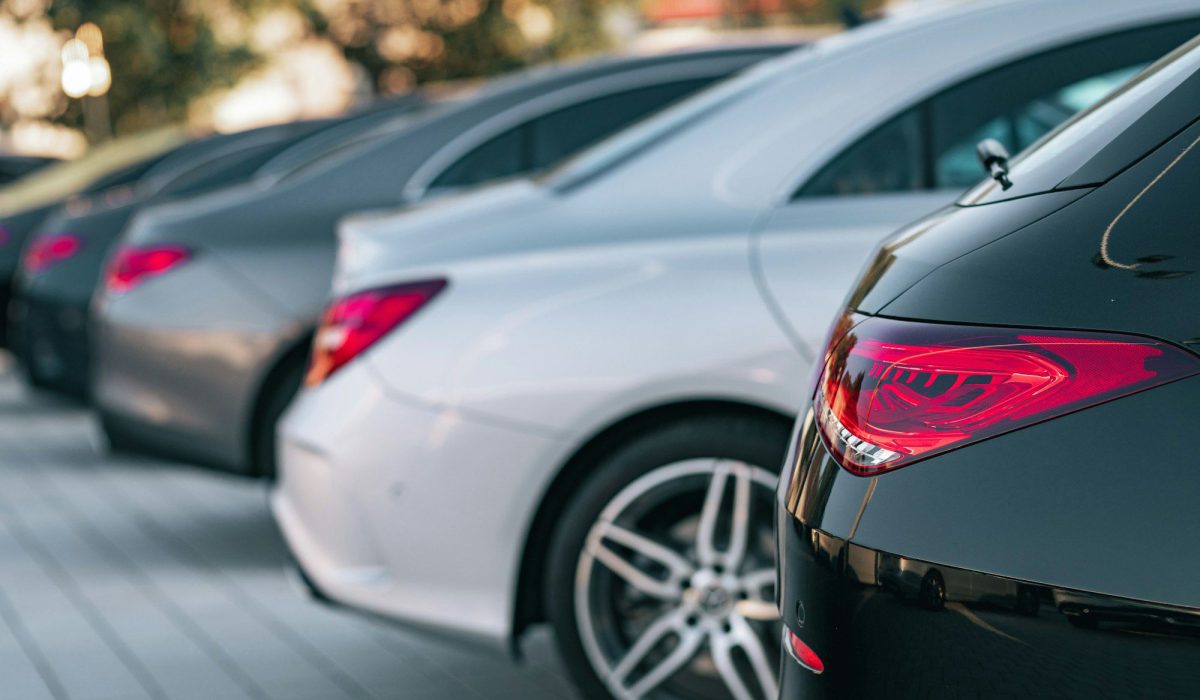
x=163 y=55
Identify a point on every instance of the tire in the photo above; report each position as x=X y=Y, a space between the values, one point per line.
x=278 y=395
x=656 y=484
x=933 y=591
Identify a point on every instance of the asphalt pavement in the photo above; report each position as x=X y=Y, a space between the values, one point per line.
x=124 y=578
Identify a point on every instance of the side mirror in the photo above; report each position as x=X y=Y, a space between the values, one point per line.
x=994 y=158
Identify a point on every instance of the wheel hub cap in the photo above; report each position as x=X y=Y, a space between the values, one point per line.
x=696 y=589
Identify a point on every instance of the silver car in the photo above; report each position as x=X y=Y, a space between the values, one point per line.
x=202 y=331
x=568 y=399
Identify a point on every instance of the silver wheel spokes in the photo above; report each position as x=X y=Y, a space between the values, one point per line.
x=704 y=592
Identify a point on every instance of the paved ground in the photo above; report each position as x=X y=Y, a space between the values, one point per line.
x=129 y=579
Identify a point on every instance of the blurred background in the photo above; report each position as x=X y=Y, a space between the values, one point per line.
x=76 y=73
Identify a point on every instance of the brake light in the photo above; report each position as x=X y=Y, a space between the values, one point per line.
x=133 y=265
x=801 y=653
x=49 y=249
x=894 y=392
x=5 y=235
x=354 y=323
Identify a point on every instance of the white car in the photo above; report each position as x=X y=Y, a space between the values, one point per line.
x=568 y=399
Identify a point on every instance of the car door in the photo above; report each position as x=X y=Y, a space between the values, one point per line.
x=812 y=247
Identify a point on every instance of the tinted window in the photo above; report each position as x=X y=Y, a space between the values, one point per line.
x=503 y=156
x=561 y=134
x=888 y=160
x=1016 y=105
x=1099 y=142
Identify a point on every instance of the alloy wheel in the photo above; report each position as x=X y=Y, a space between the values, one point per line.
x=674 y=591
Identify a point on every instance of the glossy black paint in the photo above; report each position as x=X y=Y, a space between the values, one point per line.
x=1108 y=261
x=1090 y=530
x=1056 y=560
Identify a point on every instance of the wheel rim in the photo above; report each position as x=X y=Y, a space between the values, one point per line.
x=668 y=581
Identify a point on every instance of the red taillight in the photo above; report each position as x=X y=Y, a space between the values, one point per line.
x=801 y=653
x=5 y=236
x=133 y=265
x=48 y=249
x=894 y=392
x=354 y=323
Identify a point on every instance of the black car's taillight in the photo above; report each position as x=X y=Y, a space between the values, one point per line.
x=894 y=392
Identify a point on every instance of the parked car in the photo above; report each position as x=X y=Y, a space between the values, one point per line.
x=27 y=202
x=568 y=398
x=200 y=363
x=63 y=261
x=14 y=167
x=1013 y=393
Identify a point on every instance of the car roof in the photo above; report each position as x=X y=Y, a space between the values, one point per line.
x=468 y=109
x=835 y=93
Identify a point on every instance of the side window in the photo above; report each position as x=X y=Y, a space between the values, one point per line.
x=933 y=144
x=503 y=155
x=888 y=159
x=1022 y=102
x=567 y=131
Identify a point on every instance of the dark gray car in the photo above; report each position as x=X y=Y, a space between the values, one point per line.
x=200 y=363
x=63 y=260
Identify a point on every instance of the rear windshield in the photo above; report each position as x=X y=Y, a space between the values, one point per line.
x=333 y=141
x=617 y=149
x=1097 y=143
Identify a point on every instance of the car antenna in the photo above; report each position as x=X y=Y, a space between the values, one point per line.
x=994 y=157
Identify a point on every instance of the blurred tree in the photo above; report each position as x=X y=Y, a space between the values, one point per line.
x=401 y=43
x=163 y=53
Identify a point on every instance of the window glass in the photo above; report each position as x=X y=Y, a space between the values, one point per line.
x=887 y=160
x=1022 y=102
x=502 y=156
x=955 y=162
x=1017 y=105
x=567 y=131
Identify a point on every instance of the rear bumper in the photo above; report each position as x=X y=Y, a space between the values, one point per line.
x=178 y=365
x=406 y=511
x=1004 y=569
x=877 y=641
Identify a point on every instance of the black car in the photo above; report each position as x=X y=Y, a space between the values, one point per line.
x=993 y=492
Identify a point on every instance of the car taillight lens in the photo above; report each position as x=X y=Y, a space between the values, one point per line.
x=801 y=653
x=5 y=236
x=894 y=392
x=48 y=249
x=354 y=323
x=133 y=265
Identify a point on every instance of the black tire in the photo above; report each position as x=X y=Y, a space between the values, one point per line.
x=753 y=440
x=279 y=394
x=933 y=591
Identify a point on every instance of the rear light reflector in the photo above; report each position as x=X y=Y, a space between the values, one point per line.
x=133 y=265
x=48 y=249
x=894 y=392
x=354 y=323
x=801 y=653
